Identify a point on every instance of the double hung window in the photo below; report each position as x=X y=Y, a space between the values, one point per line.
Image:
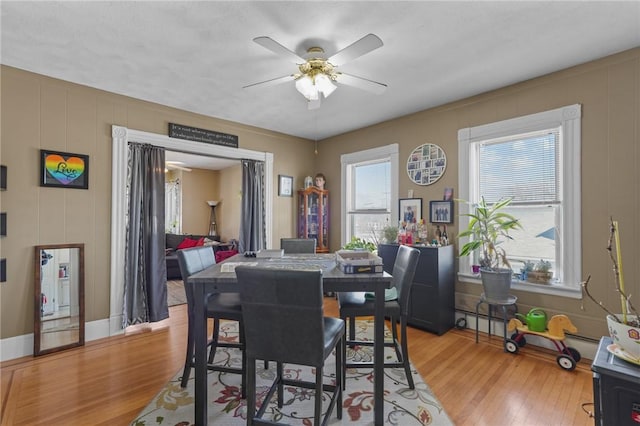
x=535 y=161
x=369 y=182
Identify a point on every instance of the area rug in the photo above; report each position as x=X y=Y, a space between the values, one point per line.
x=173 y=405
x=175 y=293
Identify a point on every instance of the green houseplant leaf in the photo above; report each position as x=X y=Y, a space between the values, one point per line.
x=488 y=228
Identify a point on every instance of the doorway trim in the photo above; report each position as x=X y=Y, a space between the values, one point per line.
x=121 y=136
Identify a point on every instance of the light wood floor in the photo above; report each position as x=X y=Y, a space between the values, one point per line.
x=109 y=381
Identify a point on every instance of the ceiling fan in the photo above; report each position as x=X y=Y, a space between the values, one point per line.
x=317 y=73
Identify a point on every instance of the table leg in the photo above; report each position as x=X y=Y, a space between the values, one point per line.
x=200 y=341
x=378 y=357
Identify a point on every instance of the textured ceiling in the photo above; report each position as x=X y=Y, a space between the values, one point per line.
x=197 y=56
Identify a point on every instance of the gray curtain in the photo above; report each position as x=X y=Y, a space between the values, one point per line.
x=145 y=283
x=252 y=221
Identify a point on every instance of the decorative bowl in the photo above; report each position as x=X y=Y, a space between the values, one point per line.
x=625 y=336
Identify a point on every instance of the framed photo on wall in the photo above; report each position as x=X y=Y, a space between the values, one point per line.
x=64 y=169
x=441 y=211
x=410 y=209
x=285 y=186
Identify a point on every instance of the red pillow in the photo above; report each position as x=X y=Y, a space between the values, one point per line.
x=223 y=254
x=187 y=243
x=200 y=242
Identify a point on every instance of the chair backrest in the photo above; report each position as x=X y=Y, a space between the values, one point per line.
x=298 y=245
x=404 y=270
x=194 y=260
x=283 y=314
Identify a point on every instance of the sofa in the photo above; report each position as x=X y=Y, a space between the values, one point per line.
x=175 y=242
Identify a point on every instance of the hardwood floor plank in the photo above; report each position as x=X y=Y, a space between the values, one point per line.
x=111 y=380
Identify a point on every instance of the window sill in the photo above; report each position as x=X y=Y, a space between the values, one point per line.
x=550 y=289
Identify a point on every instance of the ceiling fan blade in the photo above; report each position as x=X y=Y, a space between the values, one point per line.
x=278 y=49
x=362 y=83
x=358 y=48
x=271 y=82
x=315 y=104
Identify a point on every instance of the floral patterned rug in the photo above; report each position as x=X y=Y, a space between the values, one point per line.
x=402 y=406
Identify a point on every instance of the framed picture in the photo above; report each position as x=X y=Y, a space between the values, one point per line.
x=410 y=209
x=3 y=178
x=285 y=186
x=64 y=169
x=441 y=211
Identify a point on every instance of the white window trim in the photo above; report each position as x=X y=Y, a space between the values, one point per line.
x=391 y=152
x=569 y=117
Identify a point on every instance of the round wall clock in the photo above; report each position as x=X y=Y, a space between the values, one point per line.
x=426 y=164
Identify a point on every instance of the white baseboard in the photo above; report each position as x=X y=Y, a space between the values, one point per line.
x=587 y=349
x=19 y=346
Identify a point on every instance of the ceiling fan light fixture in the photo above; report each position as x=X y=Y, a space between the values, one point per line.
x=305 y=86
x=325 y=85
x=311 y=86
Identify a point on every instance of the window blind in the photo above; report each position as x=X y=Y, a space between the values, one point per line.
x=522 y=167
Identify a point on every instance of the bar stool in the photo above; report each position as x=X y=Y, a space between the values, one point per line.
x=504 y=303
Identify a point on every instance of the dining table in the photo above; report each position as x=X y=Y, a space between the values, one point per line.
x=221 y=278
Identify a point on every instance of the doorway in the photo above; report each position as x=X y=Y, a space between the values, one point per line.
x=121 y=136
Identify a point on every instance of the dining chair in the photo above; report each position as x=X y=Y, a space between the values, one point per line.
x=298 y=245
x=357 y=304
x=223 y=306
x=284 y=322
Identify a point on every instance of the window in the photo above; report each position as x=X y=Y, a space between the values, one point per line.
x=535 y=160
x=370 y=182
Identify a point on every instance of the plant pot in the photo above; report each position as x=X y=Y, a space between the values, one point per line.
x=627 y=338
x=496 y=283
x=539 y=277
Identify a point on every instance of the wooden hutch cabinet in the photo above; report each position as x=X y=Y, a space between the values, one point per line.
x=313 y=216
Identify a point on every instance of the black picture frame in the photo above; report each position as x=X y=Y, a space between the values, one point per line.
x=285 y=186
x=441 y=211
x=3 y=224
x=409 y=209
x=3 y=270
x=3 y=178
x=64 y=169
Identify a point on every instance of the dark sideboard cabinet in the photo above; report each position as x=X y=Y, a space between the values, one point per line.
x=616 y=388
x=432 y=301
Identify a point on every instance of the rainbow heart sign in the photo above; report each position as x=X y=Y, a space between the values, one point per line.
x=64 y=170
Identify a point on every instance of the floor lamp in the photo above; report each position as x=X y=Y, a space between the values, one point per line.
x=213 y=227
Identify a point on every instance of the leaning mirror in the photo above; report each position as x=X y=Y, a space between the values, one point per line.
x=59 y=297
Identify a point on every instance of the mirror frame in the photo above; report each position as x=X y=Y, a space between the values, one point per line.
x=37 y=323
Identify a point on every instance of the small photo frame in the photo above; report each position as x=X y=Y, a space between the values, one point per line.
x=3 y=178
x=448 y=194
x=410 y=210
x=441 y=211
x=64 y=169
x=285 y=186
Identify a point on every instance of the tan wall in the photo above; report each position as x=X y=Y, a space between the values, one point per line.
x=41 y=112
x=609 y=91
x=198 y=187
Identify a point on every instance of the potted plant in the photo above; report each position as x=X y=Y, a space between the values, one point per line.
x=390 y=234
x=488 y=228
x=526 y=268
x=360 y=244
x=624 y=328
x=541 y=272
